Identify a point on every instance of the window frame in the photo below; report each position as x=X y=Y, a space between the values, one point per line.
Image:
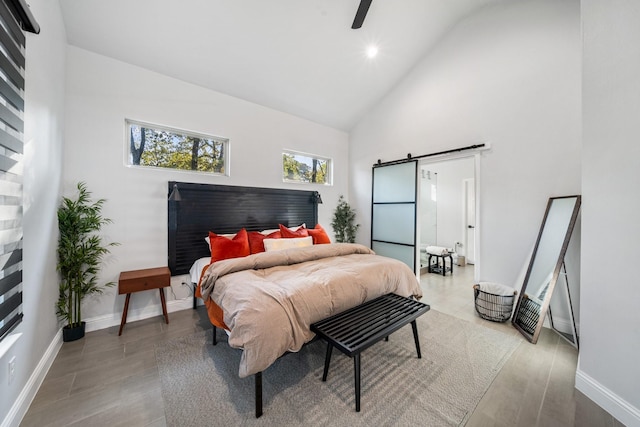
x=328 y=174
x=178 y=131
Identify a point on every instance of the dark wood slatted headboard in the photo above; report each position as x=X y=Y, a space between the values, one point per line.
x=225 y=209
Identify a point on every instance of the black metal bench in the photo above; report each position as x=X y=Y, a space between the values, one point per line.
x=358 y=328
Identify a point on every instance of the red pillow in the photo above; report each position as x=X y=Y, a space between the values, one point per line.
x=319 y=235
x=288 y=234
x=225 y=248
x=256 y=240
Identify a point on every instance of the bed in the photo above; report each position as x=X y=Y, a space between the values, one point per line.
x=266 y=301
x=269 y=300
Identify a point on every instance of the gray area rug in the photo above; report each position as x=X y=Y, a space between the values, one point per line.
x=201 y=387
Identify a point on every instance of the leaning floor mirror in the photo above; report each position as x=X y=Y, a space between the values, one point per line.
x=545 y=269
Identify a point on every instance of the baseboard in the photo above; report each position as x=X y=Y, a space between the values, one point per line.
x=28 y=393
x=622 y=410
x=109 y=320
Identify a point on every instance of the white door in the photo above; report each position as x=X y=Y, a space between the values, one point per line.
x=469 y=219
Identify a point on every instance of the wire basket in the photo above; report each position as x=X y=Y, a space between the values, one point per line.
x=496 y=308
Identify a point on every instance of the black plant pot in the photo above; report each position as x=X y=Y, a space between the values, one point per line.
x=73 y=333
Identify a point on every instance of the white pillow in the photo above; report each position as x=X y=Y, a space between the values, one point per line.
x=280 y=244
x=228 y=236
x=267 y=232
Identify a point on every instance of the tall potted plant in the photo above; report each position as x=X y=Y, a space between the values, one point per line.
x=80 y=253
x=344 y=227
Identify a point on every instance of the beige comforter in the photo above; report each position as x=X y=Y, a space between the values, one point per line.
x=270 y=299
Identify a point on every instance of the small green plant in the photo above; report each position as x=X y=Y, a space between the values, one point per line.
x=343 y=225
x=80 y=253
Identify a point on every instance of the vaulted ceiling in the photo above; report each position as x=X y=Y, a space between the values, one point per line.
x=296 y=56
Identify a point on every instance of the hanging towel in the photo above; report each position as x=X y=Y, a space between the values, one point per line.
x=437 y=250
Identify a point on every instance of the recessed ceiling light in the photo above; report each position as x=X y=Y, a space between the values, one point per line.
x=372 y=51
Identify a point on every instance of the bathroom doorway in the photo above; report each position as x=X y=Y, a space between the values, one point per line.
x=447 y=208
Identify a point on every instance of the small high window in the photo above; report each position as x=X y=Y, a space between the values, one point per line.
x=163 y=147
x=307 y=168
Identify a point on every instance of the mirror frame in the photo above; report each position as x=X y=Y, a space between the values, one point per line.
x=544 y=307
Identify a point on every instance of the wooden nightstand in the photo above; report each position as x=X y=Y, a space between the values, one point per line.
x=141 y=280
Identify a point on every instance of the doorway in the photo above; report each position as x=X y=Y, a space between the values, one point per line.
x=447 y=207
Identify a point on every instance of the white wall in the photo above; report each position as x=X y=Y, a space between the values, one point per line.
x=510 y=76
x=43 y=136
x=608 y=369
x=449 y=195
x=102 y=92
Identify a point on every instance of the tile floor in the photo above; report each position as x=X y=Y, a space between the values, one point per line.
x=107 y=380
x=536 y=385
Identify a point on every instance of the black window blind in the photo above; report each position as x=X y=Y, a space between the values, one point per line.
x=14 y=17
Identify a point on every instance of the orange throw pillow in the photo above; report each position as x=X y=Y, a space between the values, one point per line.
x=319 y=235
x=256 y=240
x=225 y=248
x=288 y=234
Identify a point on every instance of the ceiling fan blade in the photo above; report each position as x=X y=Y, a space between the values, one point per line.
x=361 y=13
